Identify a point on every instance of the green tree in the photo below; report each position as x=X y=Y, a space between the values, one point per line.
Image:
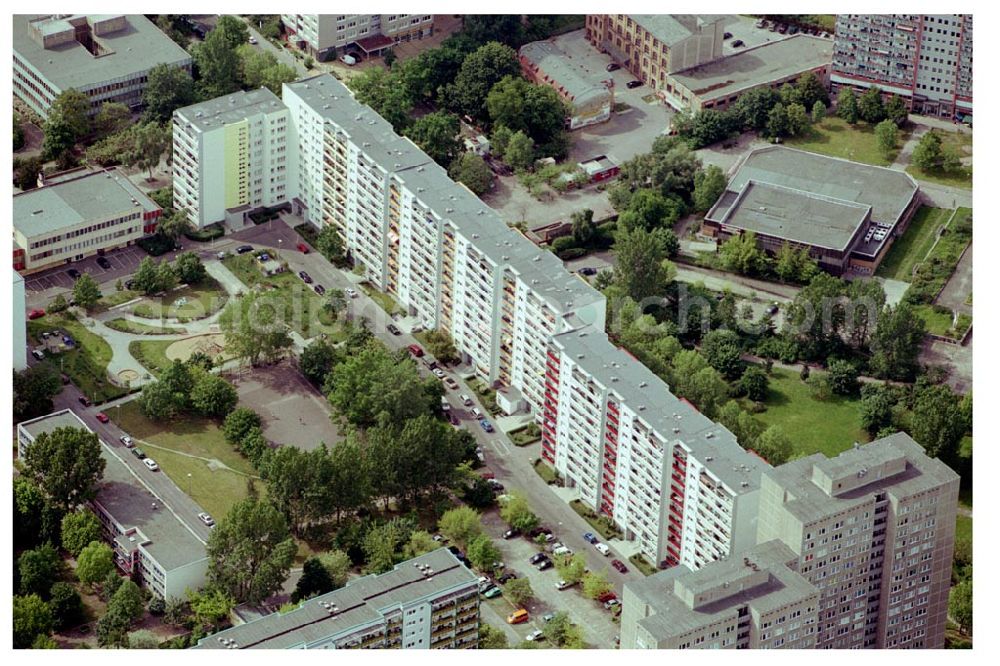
x=595 y=583
x=491 y=639
x=520 y=152
x=250 y=551
x=94 y=563
x=213 y=395
x=937 y=423
x=797 y=119
x=777 y=121
x=815 y=318
x=518 y=591
x=189 y=268
x=886 y=137
x=648 y=209
x=705 y=388
x=843 y=377
x=572 y=569
x=384 y=92
x=461 y=525
x=166 y=278
x=145 y=276
x=157 y=402
x=774 y=446
x=517 y=513
x=740 y=254
x=143 y=639
x=709 y=184
x=440 y=344
x=437 y=135
x=847 y=105
x=79 y=528
x=928 y=154
x=73 y=108
x=382 y=545
x=34 y=388
x=483 y=28
x=315 y=581
x=38 y=569
x=562 y=633
x=482 y=552
x=818 y=111
x=238 y=423
x=895 y=110
x=420 y=542
x=218 y=61
x=112 y=628
x=210 y=607
x=316 y=361
x=480 y=71
x=330 y=244
x=754 y=106
x=426 y=75
x=18 y=142
x=895 y=344
x=741 y=423
x=59 y=137
x=151 y=141
x=338 y=566
x=261 y=69
x=255 y=328
x=173 y=224
x=66 y=606
x=876 y=406
x=32 y=618
x=500 y=138
x=583 y=226
x=472 y=171
x=86 y=292
x=811 y=90
x=168 y=88
x=642 y=269
x=960 y=605
x=536 y=110
x=870 y=106
x=111 y=118
x=128 y=598
x=66 y=464
x=721 y=348
x=754 y=383
x=26 y=172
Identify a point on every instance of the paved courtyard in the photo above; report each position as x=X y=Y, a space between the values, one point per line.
x=294 y=412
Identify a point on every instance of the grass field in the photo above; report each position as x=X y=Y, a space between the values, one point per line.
x=829 y=426
x=212 y=486
x=914 y=245
x=151 y=354
x=385 y=301
x=308 y=319
x=128 y=326
x=938 y=323
x=961 y=144
x=834 y=137
x=200 y=301
x=87 y=363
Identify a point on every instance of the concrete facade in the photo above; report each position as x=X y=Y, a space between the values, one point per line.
x=19 y=316
x=321 y=34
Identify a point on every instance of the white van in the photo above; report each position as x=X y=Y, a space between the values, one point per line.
x=348 y=59
x=602 y=548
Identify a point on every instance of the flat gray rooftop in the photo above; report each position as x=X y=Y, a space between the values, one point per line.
x=757 y=66
x=451 y=201
x=128 y=500
x=674 y=419
x=362 y=602
x=230 y=108
x=46 y=210
x=809 y=502
x=573 y=77
x=137 y=48
x=762 y=581
x=888 y=192
x=793 y=215
x=66 y=418
x=673 y=28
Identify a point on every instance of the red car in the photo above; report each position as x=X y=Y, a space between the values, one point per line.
x=607 y=596
x=102 y=417
x=620 y=566
x=487 y=474
x=415 y=350
x=35 y=314
x=303 y=248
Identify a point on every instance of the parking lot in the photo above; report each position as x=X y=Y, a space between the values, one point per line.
x=598 y=628
x=53 y=280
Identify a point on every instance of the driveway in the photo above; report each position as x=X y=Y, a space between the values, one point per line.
x=959 y=286
x=957 y=359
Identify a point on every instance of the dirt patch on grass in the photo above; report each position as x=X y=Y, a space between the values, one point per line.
x=211 y=344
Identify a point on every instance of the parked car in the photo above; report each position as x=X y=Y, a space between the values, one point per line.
x=536 y=558
x=548 y=617
x=130 y=284
x=486 y=425
x=611 y=603
x=536 y=635
x=35 y=314
x=127 y=441
x=589 y=537
x=207 y=519
x=562 y=550
x=38 y=353
x=492 y=592
x=305 y=277
x=635 y=83
x=511 y=533
x=487 y=474
x=103 y=263
x=451 y=383
x=772 y=309
x=545 y=564
x=351 y=293
x=453 y=418
x=607 y=596
x=253 y=40
x=481 y=456
x=415 y=350
x=466 y=400
x=302 y=247
x=613 y=67
x=738 y=43
x=506 y=577
x=603 y=549
x=243 y=249
x=84 y=400
x=438 y=372
x=319 y=289
x=563 y=585
x=392 y=328
x=518 y=616
x=348 y=59
x=102 y=417
x=587 y=270
x=495 y=485
x=139 y=453
x=727 y=35
x=619 y=566
x=150 y=464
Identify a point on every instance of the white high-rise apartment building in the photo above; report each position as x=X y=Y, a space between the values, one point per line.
x=429 y=242
x=874 y=530
x=230 y=156
x=668 y=476
x=321 y=33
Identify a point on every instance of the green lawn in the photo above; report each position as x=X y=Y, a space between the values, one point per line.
x=913 y=246
x=938 y=323
x=215 y=488
x=151 y=354
x=961 y=144
x=963 y=528
x=385 y=301
x=128 y=326
x=304 y=307
x=200 y=301
x=545 y=471
x=116 y=298
x=87 y=363
x=640 y=563
x=829 y=426
x=834 y=137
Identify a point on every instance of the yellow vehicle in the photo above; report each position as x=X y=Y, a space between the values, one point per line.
x=518 y=616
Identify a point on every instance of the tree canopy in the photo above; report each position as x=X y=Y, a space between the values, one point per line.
x=66 y=464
